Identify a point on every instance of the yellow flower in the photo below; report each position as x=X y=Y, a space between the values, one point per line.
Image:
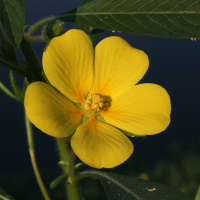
x=104 y=82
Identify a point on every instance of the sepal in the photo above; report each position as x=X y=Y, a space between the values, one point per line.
x=52 y=30
x=57 y=180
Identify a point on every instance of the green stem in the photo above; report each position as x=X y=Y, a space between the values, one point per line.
x=72 y=158
x=33 y=159
x=64 y=151
x=12 y=65
x=32 y=60
x=39 y=24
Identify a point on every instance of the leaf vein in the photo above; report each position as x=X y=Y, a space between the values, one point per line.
x=132 y=4
x=92 y=5
x=161 y=4
x=105 y=23
x=145 y=4
x=106 y=4
x=141 y=24
x=118 y=4
x=192 y=4
x=160 y=24
x=178 y=4
x=187 y=20
x=179 y=26
x=120 y=22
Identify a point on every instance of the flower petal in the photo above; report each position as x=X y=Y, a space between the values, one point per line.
x=143 y=110
x=68 y=64
x=118 y=66
x=100 y=145
x=50 y=111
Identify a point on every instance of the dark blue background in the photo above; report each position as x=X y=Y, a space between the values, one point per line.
x=174 y=64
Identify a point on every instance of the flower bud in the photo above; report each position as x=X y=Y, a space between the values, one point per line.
x=52 y=30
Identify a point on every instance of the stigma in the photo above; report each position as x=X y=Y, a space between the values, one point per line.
x=93 y=104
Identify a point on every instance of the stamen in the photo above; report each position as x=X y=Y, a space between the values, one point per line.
x=93 y=104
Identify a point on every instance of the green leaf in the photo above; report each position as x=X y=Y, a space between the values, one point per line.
x=93 y=33
x=19 y=93
x=118 y=187
x=7 y=91
x=55 y=182
x=12 y=20
x=4 y=195
x=7 y=48
x=197 y=197
x=175 y=19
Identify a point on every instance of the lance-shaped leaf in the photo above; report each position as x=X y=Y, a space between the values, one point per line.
x=118 y=187
x=93 y=33
x=18 y=92
x=7 y=91
x=162 y=18
x=12 y=20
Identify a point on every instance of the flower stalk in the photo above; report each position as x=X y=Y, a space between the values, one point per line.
x=68 y=157
x=33 y=159
x=34 y=38
x=39 y=24
x=72 y=157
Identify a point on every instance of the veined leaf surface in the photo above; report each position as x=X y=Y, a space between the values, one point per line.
x=118 y=187
x=162 y=18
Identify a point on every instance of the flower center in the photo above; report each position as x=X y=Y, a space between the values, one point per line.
x=93 y=104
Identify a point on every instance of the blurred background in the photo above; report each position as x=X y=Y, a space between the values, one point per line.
x=171 y=157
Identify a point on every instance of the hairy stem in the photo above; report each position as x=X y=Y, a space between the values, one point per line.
x=72 y=158
x=64 y=151
x=39 y=24
x=33 y=159
x=34 y=38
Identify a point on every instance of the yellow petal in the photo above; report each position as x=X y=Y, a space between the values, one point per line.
x=101 y=145
x=50 y=111
x=143 y=110
x=68 y=64
x=118 y=67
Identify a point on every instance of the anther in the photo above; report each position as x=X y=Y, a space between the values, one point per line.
x=93 y=104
